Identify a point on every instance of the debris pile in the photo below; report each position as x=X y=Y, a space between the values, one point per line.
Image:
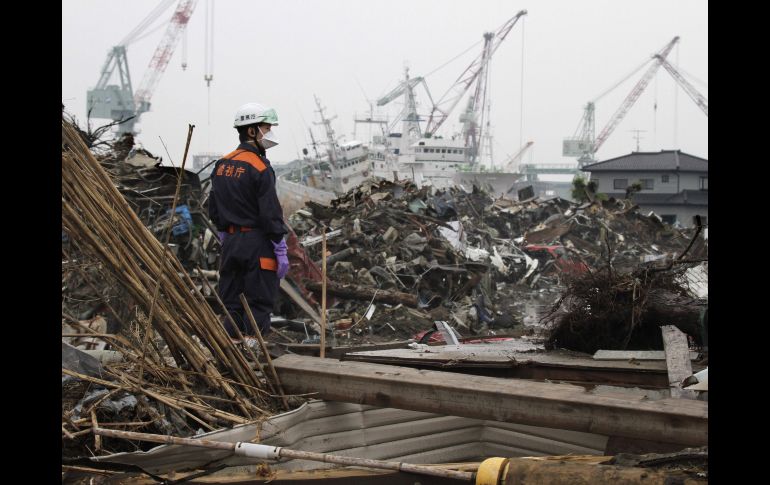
x=605 y=309
x=144 y=348
x=402 y=257
x=149 y=188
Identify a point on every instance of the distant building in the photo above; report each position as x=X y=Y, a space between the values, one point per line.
x=202 y=160
x=674 y=184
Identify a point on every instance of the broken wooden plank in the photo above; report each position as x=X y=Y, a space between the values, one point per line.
x=297 y=298
x=506 y=359
x=636 y=355
x=560 y=406
x=354 y=292
x=338 y=352
x=677 y=361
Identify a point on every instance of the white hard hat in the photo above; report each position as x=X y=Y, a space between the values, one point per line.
x=251 y=113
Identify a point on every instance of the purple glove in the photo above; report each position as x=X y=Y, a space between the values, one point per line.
x=283 y=260
x=221 y=235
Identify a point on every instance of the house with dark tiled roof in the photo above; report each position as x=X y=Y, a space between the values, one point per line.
x=674 y=184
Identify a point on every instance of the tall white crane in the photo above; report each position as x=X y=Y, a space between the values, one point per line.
x=121 y=102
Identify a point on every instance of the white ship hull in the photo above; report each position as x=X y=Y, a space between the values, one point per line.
x=293 y=195
x=500 y=182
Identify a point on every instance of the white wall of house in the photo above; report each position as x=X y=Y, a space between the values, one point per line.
x=686 y=181
x=684 y=213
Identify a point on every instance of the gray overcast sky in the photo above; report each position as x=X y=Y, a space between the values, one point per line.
x=280 y=53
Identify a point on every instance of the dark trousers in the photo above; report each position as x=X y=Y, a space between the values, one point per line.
x=240 y=272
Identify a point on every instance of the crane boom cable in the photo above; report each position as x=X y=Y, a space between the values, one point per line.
x=629 y=101
x=693 y=77
x=149 y=32
x=209 y=41
x=146 y=22
x=688 y=88
x=624 y=79
x=454 y=58
x=184 y=49
x=521 y=94
x=676 y=107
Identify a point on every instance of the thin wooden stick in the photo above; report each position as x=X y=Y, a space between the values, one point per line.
x=95 y=471
x=238 y=331
x=69 y=435
x=283 y=335
x=323 y=292
x=173 y=402
x=95 y=425
x=258 y=334
x=83 y=432
x=148 y=328
x=280 y=452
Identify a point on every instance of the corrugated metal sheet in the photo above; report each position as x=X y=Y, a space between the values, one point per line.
x=371 y=432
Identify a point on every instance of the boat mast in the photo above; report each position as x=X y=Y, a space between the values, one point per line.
x=331 y=139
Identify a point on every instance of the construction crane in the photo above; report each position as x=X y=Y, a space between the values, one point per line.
x=120 y=102
x=693 y=93
x=511 y=165
x=409 y=112
x=477 y=72
x=583 y=144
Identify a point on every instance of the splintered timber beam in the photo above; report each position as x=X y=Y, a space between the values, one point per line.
x=510 y=400
x=353 y=292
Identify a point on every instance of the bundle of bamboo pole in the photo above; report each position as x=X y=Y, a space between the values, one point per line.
x=97 y=217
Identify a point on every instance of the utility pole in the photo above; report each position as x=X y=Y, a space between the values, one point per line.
x=638 y=137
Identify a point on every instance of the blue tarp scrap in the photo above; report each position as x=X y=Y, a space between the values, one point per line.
x=184 y=226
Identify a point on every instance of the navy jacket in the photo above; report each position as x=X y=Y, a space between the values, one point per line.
x=243 y=193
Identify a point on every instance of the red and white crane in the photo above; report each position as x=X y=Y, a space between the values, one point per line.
x=120 y=103
x=163 y=53
x=478 y=104
x=583 y=143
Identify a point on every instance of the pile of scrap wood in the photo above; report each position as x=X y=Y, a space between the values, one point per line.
x=177 y=368
x=608 y=309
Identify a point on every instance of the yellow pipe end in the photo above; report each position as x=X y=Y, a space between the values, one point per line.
x=491 y=471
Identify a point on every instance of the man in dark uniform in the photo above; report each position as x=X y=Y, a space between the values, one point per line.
x=244 y=206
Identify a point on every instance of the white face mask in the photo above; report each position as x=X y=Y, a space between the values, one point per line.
x=268 y=140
